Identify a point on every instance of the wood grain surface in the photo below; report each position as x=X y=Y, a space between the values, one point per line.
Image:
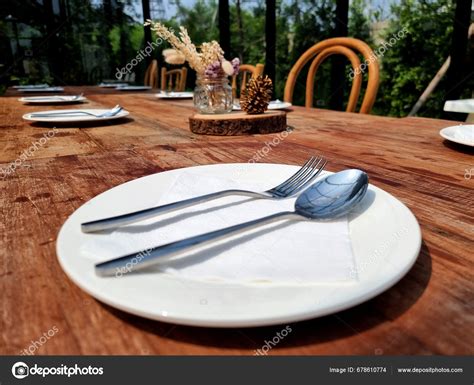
x=430 y=311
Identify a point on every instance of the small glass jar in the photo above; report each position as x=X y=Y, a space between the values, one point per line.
x=213 y=95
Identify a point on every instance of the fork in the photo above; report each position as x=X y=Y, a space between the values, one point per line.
x=290 y=187
x=112 y=112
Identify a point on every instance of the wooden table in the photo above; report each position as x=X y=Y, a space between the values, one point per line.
x=430 y=311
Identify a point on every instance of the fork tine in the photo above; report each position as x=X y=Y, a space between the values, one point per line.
x=310 y=179
x=295 y=175
x=302 y=176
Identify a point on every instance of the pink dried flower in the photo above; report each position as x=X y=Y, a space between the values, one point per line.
x=213 y=70
x=236 y=65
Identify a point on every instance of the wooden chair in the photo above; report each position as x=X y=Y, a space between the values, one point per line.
x=174 y=80
x=342 y=46
x=151 y=74
x=245 y=69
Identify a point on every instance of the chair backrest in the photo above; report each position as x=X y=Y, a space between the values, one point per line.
x=245 y=69
x=342 y=46
x=174 y=80
x=151 y=74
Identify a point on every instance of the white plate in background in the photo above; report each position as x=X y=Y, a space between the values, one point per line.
x=31 y=86
x=273 y=105
x=75 y=118
x=56 y=99
x=463 y=134
x=45 y=89
x=175 y=95
x=134 y=88
x=112 y=85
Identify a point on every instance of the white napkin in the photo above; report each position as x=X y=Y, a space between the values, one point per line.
x=282 y=252
x=462 y=105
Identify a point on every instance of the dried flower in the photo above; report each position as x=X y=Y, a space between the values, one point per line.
x=213 y=70
x=236 y=64
x=169 y=51
x=175 y=59
x=227 y=67
x=182 y=44
x=211 y=52
x=208 y=61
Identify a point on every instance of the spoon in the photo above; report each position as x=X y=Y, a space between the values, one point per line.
x=329 y=198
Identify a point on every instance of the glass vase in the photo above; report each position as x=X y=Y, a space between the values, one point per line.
x=213 y=95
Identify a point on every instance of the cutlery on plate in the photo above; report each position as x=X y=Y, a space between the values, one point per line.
x=292 y=186
x=114 y=111
x=331 y=197
x=76 y=97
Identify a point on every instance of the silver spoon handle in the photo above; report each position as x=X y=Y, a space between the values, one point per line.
x=126 y=219
x=145 y=258
x=62 y=113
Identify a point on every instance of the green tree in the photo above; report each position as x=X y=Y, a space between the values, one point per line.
x=359 y=21
x=409 y=65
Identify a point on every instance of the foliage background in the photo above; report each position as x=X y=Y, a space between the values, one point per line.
x=85 y=41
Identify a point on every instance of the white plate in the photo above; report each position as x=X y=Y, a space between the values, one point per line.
x=462 y=105
x=112 y=85
x=386 y=240
x=31 y=86
x=134 y=88
x=56 y=99
x=76 y=118
x=175 y=95
x=45 y=89
x=273 y=105
x=463 y=134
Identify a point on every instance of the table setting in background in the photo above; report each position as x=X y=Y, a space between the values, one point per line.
x=76 y=115
x=462 y=133
x=54 y=99
x=37 y=88
x=73 y=115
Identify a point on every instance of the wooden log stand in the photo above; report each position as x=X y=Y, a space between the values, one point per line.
x=238 y=123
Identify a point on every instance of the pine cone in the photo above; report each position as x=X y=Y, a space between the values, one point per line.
x=256 y=95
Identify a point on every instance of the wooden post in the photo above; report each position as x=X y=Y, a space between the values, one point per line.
x=55 y=60
x=224 y=26
x=147 y=15
x=431 y=87
x=270 y=40
x=456 y=75
x=338 y=64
